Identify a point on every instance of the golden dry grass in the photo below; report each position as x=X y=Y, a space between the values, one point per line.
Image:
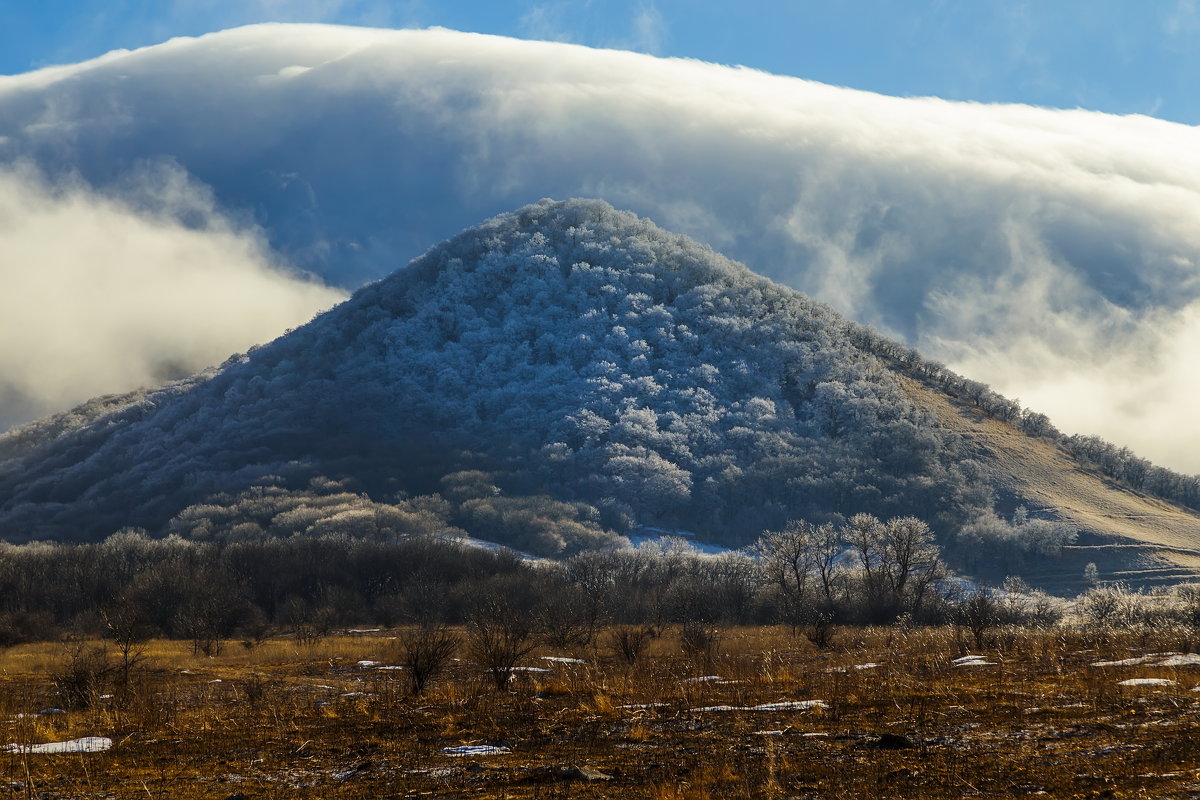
x=283 y=720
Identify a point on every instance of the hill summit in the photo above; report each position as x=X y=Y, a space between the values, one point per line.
x=553 y=378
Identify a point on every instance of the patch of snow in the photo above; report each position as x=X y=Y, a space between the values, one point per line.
x=483 y=544
x=1146 y=682
x=563 y=660
x=791 y=705
x=645 y=705
x=474 y=750
x=360 y=631
x=703 y=679
x=88 y=744
x=682 y=541
x=1181 y=660
x=973 y=661
x=531 y=669
x=389 y=667
x=1130 y=662
x=367 y=663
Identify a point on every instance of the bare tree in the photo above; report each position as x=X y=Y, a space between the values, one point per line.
x=800 y=561
x=126 y=623
x=899 y=561
x=499 y=635
x=978 y=613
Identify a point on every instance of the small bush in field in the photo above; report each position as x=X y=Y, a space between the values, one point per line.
x=83 y=676
x=628 y=644
x=425 y=651
x=699 y=642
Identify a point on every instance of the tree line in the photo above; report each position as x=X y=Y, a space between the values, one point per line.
x=810 y=576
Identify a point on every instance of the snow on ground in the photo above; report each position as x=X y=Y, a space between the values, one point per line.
x=1154 y=660
x=869 y=665
x=790 y=705
x=973 y=661
x=466 y=750
x=563 y=660
x=664 y=539
x=483 y=544
x=1180 y=660
x=1146 y=682
x=88 y=744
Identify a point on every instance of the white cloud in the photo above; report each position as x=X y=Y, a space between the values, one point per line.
x=1184 y=18
x=1054 y=254
x=98 y=297
x=547 y=22
x=649 y=29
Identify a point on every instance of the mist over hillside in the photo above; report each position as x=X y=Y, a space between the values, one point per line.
x=1052 y=254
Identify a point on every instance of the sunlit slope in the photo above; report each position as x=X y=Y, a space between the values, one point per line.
x=1129 y=535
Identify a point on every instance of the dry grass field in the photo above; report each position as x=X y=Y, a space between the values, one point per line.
x=901 y=713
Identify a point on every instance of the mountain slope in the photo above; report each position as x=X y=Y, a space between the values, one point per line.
x=618 y=374
x=567 y=346
x=1130 y=535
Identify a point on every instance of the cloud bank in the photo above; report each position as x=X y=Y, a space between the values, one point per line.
x=99 y=297
x=1053 y=254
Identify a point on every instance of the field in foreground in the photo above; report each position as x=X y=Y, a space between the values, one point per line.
x=881 y=713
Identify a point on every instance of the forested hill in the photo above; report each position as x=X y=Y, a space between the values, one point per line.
x=552 y=378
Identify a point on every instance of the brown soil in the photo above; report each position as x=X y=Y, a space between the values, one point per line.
x=291 y=721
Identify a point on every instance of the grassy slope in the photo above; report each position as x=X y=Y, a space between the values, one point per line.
x=1130 y=536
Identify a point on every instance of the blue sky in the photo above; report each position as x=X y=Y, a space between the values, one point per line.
x=1121 y=56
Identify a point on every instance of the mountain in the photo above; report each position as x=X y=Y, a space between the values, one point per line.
x=1051 y=253
x=553 y=379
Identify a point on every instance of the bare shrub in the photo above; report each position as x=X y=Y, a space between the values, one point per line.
x=425 y=652
x=565 y=621
x=699 y=642
x=978 y=613
x=82 y=677
x=498 y=636
x=628 y=644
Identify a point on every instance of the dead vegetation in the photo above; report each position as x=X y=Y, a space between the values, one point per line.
x=886 y=712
